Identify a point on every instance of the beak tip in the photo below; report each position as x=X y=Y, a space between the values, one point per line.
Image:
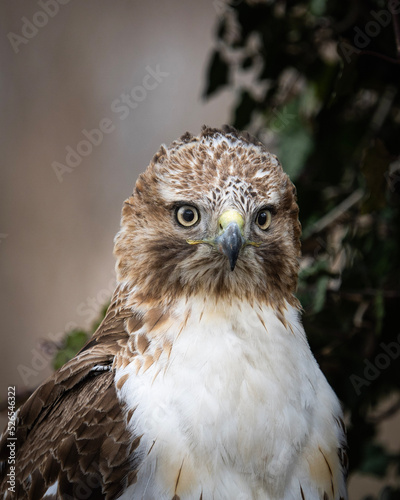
x=230 y=243
x=232 y=261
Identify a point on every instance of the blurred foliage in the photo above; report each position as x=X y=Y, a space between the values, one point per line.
x=73 y=342
x=318 y=83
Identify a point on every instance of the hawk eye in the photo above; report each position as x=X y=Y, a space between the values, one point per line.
x=263 y=219
x=187 y=215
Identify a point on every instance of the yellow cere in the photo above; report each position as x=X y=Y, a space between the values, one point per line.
x=231 y=216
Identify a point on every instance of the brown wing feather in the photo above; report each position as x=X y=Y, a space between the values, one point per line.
x=343 y=449
x=73 y=428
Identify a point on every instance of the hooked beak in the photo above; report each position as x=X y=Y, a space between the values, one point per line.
x=230 y=239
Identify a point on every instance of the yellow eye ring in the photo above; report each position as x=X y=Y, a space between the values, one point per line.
x=187 y=215
x=263 y=219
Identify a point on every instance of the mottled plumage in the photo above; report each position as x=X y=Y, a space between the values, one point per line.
x=199 y=383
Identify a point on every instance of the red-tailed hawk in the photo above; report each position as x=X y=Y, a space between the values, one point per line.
x=199 y=384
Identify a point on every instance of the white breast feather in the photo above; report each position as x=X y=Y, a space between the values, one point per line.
x=233 y=407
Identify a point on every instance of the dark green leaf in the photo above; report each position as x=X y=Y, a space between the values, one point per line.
x=375 y=460
x=245 y=107
x=218 y=72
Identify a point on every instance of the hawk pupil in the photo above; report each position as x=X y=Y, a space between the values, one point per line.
x=262 y=218
x=188 y=215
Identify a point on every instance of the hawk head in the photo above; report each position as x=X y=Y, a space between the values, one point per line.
x=212 y=215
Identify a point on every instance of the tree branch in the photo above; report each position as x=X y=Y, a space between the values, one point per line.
x=334 y=214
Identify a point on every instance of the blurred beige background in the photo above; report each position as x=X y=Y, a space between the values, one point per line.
x=67 y=75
